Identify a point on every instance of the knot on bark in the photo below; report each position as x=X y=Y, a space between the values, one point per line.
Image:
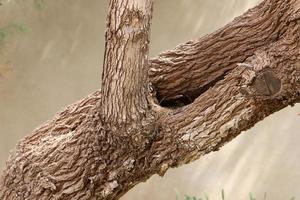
x=258 y=76
x=266 y=83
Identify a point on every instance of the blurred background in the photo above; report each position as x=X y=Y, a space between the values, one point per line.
x=51 y=53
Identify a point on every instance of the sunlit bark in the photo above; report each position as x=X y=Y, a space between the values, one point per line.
x=197 y=98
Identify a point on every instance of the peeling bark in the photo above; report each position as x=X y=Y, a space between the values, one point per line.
x=202 y=94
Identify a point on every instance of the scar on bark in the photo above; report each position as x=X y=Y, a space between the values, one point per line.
x=260 y=78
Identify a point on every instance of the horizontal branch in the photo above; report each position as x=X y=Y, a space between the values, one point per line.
x=260 y=86
x=193 y=67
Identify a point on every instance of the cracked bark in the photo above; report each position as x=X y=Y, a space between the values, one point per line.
x=210 y=90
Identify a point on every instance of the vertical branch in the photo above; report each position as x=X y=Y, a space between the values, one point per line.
x=124 y=75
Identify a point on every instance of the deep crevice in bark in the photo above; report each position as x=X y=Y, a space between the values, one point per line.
x=185 y=99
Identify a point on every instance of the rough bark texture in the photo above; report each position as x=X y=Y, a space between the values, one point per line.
x=124 y=78
x=210 y=90
x=197 y=65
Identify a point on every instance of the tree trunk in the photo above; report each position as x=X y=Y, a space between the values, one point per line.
x=124 y=78
x=201 y=95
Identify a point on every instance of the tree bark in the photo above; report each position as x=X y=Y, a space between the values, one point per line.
x=202 y=94
x=197 y=65
x=124 y=78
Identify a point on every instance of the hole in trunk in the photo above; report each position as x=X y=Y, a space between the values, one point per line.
x=187 y=97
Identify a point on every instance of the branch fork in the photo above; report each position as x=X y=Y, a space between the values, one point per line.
x=105 y=144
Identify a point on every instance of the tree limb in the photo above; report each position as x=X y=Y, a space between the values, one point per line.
x=78 y=155
x=193 y=67
x=124 y=78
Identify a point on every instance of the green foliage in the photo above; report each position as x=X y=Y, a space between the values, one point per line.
x=223 y=195
x=39 y=4
x=251 y=197
x=14 y=28
x=206 y=197
x=9 y=30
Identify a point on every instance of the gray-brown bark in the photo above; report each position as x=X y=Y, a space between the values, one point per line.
x=124 y=78
x=214 y=89
x=197 y=65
